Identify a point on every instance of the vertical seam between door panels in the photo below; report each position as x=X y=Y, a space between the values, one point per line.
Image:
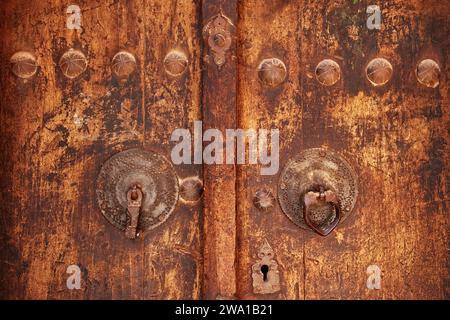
x=201 y=279
x=237 y=171
x=201 y=269
x=298 y=42
x=142 y=76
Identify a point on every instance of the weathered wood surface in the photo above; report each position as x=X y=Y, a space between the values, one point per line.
x=264 y=107
x=397 y=136
x=56 y=133
x=219 y=112
x=173 y=255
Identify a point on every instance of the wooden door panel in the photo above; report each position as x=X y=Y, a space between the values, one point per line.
x=172 y=254
x=75 y=127
x=219 y=93
x=57 y=132
x=396 y=136
x=399 y=152
x=266 y=108
x=61 y=131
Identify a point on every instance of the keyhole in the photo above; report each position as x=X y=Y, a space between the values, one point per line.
x=264 y=270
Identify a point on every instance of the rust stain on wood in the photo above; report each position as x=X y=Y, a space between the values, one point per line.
x=61 y=130
x=56 y=132
x=219 y=112
x=397 y=135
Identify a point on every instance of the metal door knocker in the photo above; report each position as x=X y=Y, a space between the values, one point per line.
x=312 y=199
x=134 y=197
x=137 y=190
x=317 y=190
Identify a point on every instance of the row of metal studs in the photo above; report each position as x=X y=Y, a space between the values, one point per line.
x=73 y=63
x=271 y=72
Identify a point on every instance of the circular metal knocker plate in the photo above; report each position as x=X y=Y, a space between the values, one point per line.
x=152 y=174
x=317 y=170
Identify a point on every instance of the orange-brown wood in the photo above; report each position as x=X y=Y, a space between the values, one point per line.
x=173 y=253
x=219 y=112
x=260 y=106
x=396 y=136
x=57 y=132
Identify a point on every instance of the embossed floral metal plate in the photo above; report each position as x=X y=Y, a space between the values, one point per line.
x=152 y=173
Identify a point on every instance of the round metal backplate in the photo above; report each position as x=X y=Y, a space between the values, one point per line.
x=310 y=170
x=152 y=173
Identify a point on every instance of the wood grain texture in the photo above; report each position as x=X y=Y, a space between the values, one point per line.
x=219 y=112
x=263 y=107
x=173 y=254
x=56 y=133
x=59 y=133
x=397 y=137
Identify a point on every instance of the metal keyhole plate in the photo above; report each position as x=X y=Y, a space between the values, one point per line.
x=155 y=177
x=311 y=170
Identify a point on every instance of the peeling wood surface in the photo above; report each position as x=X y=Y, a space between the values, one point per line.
x=396 y=136
x=264 y=107
x=219 y=112
x=56 y=133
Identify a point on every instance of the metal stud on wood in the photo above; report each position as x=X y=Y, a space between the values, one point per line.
x=23 y=64
x=73 y=63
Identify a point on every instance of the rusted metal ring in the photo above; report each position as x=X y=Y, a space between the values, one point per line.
x=311 y=170
x=310 y=199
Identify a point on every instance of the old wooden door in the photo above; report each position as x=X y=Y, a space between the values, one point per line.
x=396 y=137
x=57 y=132
x=82 y=82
